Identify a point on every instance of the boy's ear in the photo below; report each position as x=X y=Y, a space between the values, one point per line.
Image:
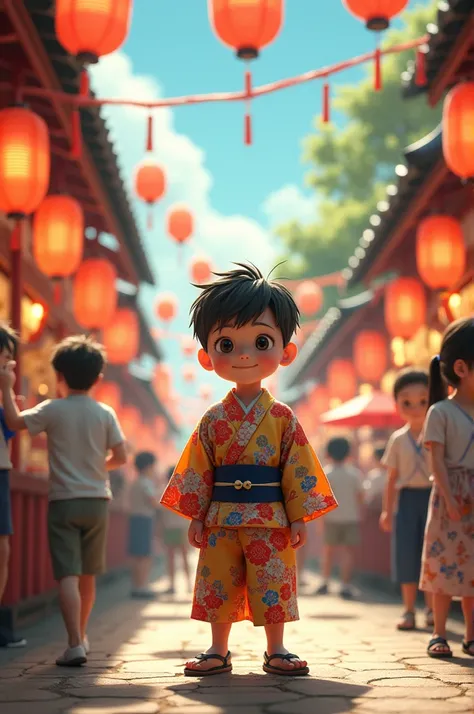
x=205 y=361
x=289 y=354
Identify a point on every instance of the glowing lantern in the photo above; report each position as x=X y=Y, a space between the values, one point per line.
x=108 y=393
x=159 y=427
x=458 y=137
x=130 y=421
x=162 y=380
x=309 y=298
x=189 y=373
x=247 y=26
x=24 y=161
x=405 y=307
x=205 y=391
x=440 y=251
x=180 y=224
x=201 y=270
x=188 y=345
x=370 y=355
x=375 y=13
x=319 y=399
x=95 y=293
x=341 y=380
x=121 y=337
x=150 y=184
x=166 y=307
x=90 y=30
x=58 y=236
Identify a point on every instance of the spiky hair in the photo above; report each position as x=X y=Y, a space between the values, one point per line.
x=241 y=296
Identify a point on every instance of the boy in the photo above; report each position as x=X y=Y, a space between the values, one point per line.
x=247 y=479
x=175 y=539
x=8 y=350
x=374 y=484
x=81 y=433
x=341 y=527
x=409 y=474
x=143 y=504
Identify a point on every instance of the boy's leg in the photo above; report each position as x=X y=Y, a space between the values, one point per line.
x=70 y=604
x=347 y=564
x=4 y=558
x=87 y=593
x=275 y=645
x=170 y=559
x=220 y=646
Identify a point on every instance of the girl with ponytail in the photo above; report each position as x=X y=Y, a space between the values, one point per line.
x=448 y=552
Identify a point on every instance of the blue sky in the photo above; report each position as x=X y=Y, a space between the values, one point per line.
x=237 y=193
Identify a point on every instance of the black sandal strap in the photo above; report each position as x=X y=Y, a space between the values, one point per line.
x=468 y=645
x=204 y=657
x=288 y=657
x=437 y=641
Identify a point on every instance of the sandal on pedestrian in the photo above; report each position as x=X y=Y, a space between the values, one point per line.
x=468 y=648
x=407 y=623
x=436 y=653
x=226 y=666
x=429 y=618
x=273 y=669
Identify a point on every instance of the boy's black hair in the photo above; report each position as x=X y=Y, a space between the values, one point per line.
x=379 y=451
x=144 y=459
x=240 y=296
x=338 y=449
x=9 y=339
x=458 y=343
x=80 y=361
x=407 y=377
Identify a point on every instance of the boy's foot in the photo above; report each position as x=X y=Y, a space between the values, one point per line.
x=322 y=590
x=209 y=663
x=86 y=644
x=284 y=663
x=407 y=623
x=347 y=592
x=72 y=657
x=12 y=642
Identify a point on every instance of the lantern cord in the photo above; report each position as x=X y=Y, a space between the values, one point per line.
x=378 y=71
x=326 y=113
x=149 y=219
x=248 y=115
x=77 y=100
x=149 y=134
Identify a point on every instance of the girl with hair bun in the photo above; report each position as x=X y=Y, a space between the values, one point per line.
x=448 y=553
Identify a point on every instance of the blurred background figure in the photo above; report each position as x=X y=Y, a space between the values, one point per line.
x=175 y=540
x=374 y=484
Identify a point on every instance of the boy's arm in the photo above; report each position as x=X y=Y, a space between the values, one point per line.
x=388 y=501
x=117 y=457
x=13 y=417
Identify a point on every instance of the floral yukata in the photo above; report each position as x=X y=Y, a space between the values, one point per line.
x=247 y=567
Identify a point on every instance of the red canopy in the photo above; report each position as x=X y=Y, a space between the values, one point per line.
x=376 y=410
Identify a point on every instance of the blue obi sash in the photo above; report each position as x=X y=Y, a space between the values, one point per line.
x=7 y=433
x=244 y=483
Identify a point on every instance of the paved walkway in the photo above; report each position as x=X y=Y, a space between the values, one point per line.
x=358 y=664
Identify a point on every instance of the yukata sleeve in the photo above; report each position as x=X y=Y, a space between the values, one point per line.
x=434 y=429
x=390 y=456
x=306 y=491
x=189 y=491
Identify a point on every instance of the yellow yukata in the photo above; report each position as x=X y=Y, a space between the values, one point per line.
x=247 y=567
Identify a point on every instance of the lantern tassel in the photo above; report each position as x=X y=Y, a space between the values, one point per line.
x=420 y=69
x=248 y=116
x=378 y=70
x=57 y=292
x=76 y=133
x=326 y=103
x=149 y=219
x=149 y=134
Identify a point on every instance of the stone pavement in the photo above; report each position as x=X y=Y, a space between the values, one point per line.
x=358 y=664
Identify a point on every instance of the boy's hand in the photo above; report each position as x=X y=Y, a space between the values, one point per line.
x=454 y=509
x=298 y=534
x=385 y=521
x=7 y=376
x=195 y=533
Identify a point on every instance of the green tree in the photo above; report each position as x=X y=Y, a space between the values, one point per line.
x=351 y=166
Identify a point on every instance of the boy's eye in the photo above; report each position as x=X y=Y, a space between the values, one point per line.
x=224 y=345
x=424 y=402
x=263 y=342
x=406 y=404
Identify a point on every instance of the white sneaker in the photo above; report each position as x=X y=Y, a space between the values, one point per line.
x=72 y=657
x=86 y=645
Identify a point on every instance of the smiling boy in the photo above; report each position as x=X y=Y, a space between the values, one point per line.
x=247 y=479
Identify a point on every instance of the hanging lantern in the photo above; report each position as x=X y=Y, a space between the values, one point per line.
x=201 y=270
x=319 y=399
x=89 y=30
x=440 y=251
x=58 y=236
x=108 y=393
x=159 y=426
x=121 y=337
x=189 y=373
x=180 y=224
x=458 y=136
x=166 y=307
x=24 y=161
x=130 y=421
x=375 y=13
x=95 y=293
x=341 y=380
x=370 y=356
x=309 y=298
x=150 y=184
x=188 y=345
x=162 y=381
x=405 y=307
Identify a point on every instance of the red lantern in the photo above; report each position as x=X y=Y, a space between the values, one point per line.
x=150 y=184
x=188 y=345
x=370 y=355
x=440 y=251
x=159 y=427
x=121 y=337
x=58 y=236
x=201 y=270
x=108 y=393
x=458 y=136
x=319 y=399
x=90 y=30
x=24 y=161
x=341 y=380
x=162 y=381
x=130 y=421
x=309 y=298
x=189 y=373
x=405 y=307
x=248 y=26
x=95 y=293
x=166 y=307
x=180 y=224
x=375 y=13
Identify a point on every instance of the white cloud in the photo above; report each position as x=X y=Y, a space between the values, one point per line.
x=289 y=203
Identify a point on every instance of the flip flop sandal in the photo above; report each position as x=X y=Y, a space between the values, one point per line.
x=440 y=654
x=272 y=669
x=221 y=669
x=407 y=623
x=467 y=648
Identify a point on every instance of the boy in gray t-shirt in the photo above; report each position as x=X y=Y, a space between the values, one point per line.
x=85 y=442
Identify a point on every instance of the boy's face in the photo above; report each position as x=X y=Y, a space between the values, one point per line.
x=6 y=356
x=412 y=404
x=247 y=354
